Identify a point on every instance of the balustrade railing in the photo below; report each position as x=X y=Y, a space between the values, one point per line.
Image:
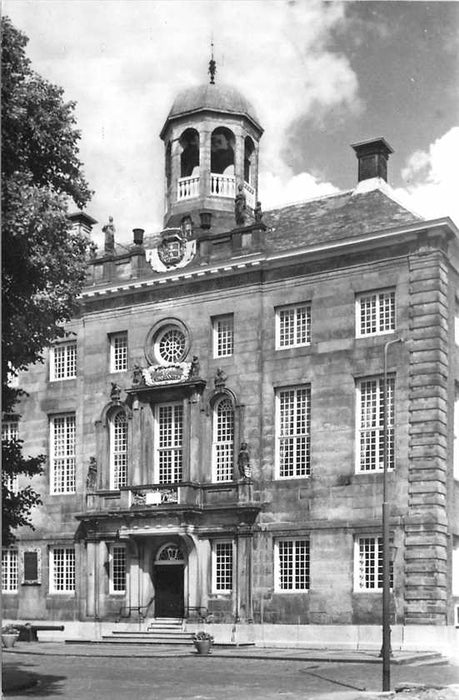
x=222 y=185
x=188 y=187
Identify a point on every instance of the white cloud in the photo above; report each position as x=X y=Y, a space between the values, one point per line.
x=431 y=178
x=123 y=62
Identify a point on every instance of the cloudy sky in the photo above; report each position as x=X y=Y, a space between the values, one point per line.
x=321 y=75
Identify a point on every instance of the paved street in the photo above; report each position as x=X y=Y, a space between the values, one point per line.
x=171 y=677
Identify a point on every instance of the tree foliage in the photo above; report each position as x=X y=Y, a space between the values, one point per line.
x=43 y=258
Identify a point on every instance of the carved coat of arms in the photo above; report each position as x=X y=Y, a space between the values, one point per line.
x=172 y=249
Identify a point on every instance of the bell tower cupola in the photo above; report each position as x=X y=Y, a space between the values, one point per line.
x=211 y=139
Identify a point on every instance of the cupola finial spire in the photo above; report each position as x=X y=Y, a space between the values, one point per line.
x=212 y=64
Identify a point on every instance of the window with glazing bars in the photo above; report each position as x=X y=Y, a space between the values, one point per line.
x=223 y=566
x=9 y=570
x=63 y=454
x=10 y=432
x=223 y=440
x=369 y=565
x=118 y=569
x=169 y=442
x=63 y=361
x=62 y=570
x=293 y=431
x=376 y=312
x=223 y=335
x=118 y=351
x=370 y=422
x=292 y=565
x=293 y=326
x=119 y=450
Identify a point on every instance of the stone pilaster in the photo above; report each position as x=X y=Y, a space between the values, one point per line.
x=426 y=522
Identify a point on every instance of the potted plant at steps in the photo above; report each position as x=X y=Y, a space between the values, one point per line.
x=9 y=636
x=203 y=641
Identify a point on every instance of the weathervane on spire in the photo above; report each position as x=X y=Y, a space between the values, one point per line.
x=212 y=65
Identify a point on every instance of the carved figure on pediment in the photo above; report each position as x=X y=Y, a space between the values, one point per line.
x=137 y=376
x=109 y=231
x=240 y=207
x=115 y=393
x=91 y=478
x=220 y=378
x=258 y=213
x=194 y=369
x=243 y=462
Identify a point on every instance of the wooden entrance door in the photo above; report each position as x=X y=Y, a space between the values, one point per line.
x=169 y=600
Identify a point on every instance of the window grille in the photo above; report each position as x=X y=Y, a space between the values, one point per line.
x=9 y=570
x=119 y=352
x=63 y=361
x=170 y=345
x=170 y=439
x=118 y=569
x=223 y=332
x=292 y=565
x=370 y=564
x=223 y=440
x=62 y=570
x=10 y=432
x=293 y=326
x=293 y=431
x=63 y=454
x=376 y=312
x=223 y=567
x=370 y=420
x=119 y=450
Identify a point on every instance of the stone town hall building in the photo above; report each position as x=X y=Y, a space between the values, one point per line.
x=213 y=421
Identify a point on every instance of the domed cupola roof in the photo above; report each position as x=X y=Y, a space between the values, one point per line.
x=211 y=97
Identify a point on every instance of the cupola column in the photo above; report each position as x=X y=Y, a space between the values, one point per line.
x=205 y=141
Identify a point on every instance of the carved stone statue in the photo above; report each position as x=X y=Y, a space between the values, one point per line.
x=194 y=370
x=240 y=207
x=258 y=213
x=243 y=462
x=91 y=478
x=137 y=376
x=115 y=393
x=220 y=378
x=92 y=250
x=109 y=230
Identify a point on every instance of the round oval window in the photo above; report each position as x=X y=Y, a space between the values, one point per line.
x=170 y=345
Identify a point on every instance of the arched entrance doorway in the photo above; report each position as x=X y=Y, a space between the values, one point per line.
x=168 y=579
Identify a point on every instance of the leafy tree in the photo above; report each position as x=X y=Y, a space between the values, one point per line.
x=43 y=259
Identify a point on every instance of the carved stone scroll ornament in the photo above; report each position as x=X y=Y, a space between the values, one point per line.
x=167 y=374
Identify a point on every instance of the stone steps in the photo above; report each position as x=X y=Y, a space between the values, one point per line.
x=159 y=631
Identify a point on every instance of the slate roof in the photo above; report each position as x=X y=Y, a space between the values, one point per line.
x=328 y=219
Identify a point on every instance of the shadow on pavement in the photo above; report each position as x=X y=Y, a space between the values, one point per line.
x=17 y=679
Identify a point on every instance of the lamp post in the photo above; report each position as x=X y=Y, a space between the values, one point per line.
x=386 y=534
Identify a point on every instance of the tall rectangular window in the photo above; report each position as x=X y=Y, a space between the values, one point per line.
x=63 y=359
x=10 y=432
x=456 y=435
x=223 y=335
x=118 y=569
x=62 y=443
x=369 y=564
x=375 y=312
x=293 y=420
x=118 y=351
x=62 y=570
x=293 y=326
x=291 y=565
x=222 y=570
x=169 y=442
x=118 y=450
x=9 y=570
x=223 y=442
x=370 y=423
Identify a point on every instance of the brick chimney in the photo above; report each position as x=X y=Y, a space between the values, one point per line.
x=372 y=156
